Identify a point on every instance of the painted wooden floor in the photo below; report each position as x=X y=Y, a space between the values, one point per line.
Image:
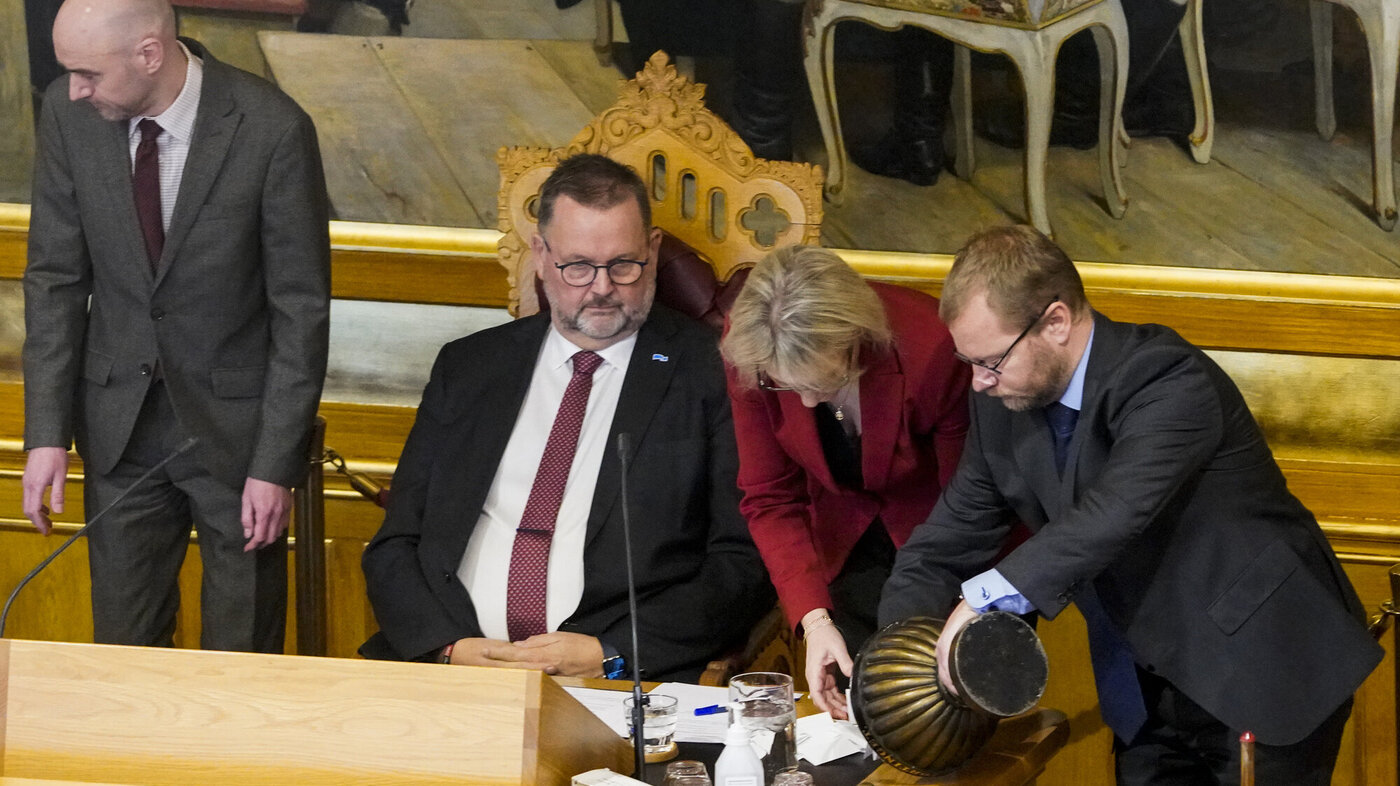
x=1274 y=196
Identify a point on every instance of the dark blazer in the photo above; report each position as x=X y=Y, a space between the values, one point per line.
x=700 y=582
x=236 y=314
x=913 y=404
x=1173 y=506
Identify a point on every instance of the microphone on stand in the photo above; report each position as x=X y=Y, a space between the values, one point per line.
x=639 y=700
x=5 y=615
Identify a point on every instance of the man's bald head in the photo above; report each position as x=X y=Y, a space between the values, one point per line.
x=111 y=26
x=122 y=55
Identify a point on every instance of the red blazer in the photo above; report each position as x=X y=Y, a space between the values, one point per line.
x=914 y=417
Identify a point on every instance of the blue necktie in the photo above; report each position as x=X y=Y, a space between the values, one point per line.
x=1115 y=673
x=1062 y=420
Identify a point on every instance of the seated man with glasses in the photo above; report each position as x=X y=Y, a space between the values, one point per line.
x=1213 y=601
x=503 y=544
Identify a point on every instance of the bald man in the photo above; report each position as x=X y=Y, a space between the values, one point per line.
x=177 y=289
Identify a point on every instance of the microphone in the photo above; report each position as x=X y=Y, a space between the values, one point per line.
x=639 y=700
x=5 y=615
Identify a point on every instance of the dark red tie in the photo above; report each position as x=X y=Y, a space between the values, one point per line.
x=529 y=559
x=145 y=186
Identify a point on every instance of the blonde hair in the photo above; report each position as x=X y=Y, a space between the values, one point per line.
x=1019 y=269
x=802 y=309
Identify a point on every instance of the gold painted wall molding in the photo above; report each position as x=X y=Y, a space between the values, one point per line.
x=406 y=246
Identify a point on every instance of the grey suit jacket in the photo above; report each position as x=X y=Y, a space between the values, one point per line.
x=235 y=316
x=1172 y=505
x=700 y=583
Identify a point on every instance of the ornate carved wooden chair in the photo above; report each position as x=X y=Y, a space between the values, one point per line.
x=708 y=190
x=721 y=209
x=1380 y=23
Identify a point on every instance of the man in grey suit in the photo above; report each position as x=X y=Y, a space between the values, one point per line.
x=177 y=288
x=1213 y=601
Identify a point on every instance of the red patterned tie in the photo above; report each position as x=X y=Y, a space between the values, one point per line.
x=145 y=187
x=529 y=559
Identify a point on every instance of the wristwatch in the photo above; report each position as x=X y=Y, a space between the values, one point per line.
x=614 y=665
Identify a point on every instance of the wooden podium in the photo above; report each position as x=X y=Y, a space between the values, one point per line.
x=127 y=715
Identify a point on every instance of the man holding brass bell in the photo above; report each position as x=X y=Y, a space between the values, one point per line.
x=1213 y=601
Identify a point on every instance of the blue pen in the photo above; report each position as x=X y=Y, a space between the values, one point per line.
x=713 y=709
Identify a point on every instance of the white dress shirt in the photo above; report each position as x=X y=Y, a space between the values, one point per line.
x=485 y=566
x=173 y=146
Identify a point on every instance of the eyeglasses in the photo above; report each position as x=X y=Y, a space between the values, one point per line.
x=995 y=365
x=582 y=273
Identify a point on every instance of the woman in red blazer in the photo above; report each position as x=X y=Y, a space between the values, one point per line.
x=850 y=412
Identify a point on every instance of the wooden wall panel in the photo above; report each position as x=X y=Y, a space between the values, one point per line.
x=1368 y=753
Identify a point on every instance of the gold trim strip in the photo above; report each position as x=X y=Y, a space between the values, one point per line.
x=14 y=217
x=65 y=529
x=1377 y=533
x=1351 y=558
x=452 y=241
x=1157 y=280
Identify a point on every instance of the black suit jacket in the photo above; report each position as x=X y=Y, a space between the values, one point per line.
x=700 y=582
x=1173 y=506
x=236 y=312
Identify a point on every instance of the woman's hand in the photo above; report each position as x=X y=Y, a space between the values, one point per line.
x=826 y=648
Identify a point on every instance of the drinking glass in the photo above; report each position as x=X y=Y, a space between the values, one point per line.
x=658 y=722
x=762 y=702
x=686 y=773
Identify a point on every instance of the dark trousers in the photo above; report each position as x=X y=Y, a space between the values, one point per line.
x=135 y=552
x=855 y=592
x=1183 y=745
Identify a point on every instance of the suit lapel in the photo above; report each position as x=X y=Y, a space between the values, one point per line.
x=115 y=162
x=648 y=377
x=881 y=395
x=214 y=126
x=484 y=437
x=799 y=430
x=1103 y=356
x=1035 y=455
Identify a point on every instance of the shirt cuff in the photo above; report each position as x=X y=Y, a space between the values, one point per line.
x=991 y=590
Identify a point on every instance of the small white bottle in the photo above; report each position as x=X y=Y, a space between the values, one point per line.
x=737 y=764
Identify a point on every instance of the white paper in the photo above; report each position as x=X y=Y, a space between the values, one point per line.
x=821 y=739
x=698 y=728
x=606 y=704
x=605 y=777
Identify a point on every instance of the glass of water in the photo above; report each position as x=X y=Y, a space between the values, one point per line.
x=762 y=702
x=658 y=722
x=686 y=773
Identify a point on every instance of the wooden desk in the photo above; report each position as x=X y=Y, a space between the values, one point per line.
x=409 y=127
x=105 y=714
x=1016 y=754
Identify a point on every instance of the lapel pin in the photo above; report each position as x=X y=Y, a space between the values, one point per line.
x=660 y=357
